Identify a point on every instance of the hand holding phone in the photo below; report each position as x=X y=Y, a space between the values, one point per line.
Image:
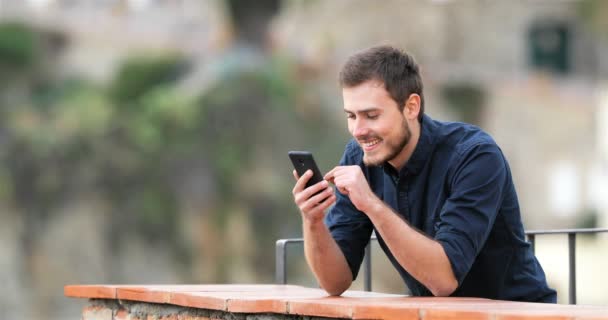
x=303 y=161
x=312 y=206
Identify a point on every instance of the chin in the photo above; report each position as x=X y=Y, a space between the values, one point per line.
x=373 y=160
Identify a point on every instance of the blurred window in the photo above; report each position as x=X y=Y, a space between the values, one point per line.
x=549 y=47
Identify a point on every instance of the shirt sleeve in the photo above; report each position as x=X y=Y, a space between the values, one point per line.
x=468 y=215
x=350 y=228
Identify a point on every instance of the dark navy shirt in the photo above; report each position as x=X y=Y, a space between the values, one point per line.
x=457 y=189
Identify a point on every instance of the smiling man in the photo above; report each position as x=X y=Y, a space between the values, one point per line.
x=439 y=195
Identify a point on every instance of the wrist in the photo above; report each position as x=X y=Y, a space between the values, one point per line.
x=374 y=206
x=312 y=222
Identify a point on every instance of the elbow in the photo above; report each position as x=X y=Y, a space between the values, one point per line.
x=444 y=288
x=336 y=289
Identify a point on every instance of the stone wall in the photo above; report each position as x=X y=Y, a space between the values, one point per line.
x=102 y=309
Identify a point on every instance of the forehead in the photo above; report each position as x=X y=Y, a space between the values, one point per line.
x=366 y=96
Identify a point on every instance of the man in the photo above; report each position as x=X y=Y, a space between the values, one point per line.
x=439 y=195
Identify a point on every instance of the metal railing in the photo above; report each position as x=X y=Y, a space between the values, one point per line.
x=282 y=244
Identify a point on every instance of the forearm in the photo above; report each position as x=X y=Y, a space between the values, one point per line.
x=422 y=257
x=325 y=258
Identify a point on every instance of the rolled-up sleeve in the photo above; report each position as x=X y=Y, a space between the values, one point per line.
x=468 y=215
x=350 y=228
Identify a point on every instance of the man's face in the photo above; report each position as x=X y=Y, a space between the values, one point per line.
x=376 y=122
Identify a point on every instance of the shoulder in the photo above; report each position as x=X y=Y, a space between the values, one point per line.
x=463 y=138
x=478 y=158
x=467 y=149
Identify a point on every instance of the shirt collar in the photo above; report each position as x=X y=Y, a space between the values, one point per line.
x=423 y=149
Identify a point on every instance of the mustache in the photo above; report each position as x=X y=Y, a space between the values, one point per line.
x=367 y=137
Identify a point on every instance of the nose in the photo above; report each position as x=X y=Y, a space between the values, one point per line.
x=359 y=128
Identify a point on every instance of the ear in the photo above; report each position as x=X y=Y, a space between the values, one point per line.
x=412 y=107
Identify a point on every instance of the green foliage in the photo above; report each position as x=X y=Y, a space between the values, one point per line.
x=139 y=74
x=170 y=108
x=18 y=44
x=587 y=219
x=125 y=140
x=594 y=14
x=156 y=208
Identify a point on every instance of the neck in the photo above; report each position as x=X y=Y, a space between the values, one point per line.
x=401 y=159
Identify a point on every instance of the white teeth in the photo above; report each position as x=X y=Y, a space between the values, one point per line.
x=371 y=143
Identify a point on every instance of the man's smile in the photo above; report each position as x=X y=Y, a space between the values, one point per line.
x=371 y=144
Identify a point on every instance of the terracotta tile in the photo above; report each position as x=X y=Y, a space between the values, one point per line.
x=315 y=302
x=251 y=288
x=524 y=310
x=367 y=294
x=200 y=300
x=439 y=314
x=320 y=309
x=223 y=288
x=273 y=301
x=411 y=306
x=387 y=312
x=416 y=307
x=361 y=305
x=268 y=305
x=90 y=291
x=338 y=307
x=461 y=310
x=555 y=312
x=145 y=294
x=532 y=317
x=593 y=317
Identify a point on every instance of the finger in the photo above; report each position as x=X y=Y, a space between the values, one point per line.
x=331 y=175
x=312 y=190
x=302 y=196
x=321 y=207
x=318 y=198
x=343 y=171
x=326 y=203
x=301 y=183
x=295 y=174
x=342 y=189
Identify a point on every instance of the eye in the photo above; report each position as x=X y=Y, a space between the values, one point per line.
x=350 y=116
x=372 y=116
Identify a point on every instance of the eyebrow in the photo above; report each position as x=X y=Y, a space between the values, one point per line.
x=362 y=111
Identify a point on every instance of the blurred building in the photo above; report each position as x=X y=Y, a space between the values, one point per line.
x=529 y=72
x=102 y=32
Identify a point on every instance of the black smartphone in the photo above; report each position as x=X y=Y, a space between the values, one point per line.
x=303 y=161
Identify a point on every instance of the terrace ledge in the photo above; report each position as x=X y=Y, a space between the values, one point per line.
x=202 y=302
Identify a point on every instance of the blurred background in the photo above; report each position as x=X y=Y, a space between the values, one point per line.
x=145 y=141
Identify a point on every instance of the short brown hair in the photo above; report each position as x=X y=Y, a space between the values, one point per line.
x=395 y=68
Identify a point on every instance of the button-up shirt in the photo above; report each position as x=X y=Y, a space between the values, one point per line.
x=457 y=189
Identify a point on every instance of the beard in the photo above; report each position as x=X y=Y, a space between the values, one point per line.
x=394 y=147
